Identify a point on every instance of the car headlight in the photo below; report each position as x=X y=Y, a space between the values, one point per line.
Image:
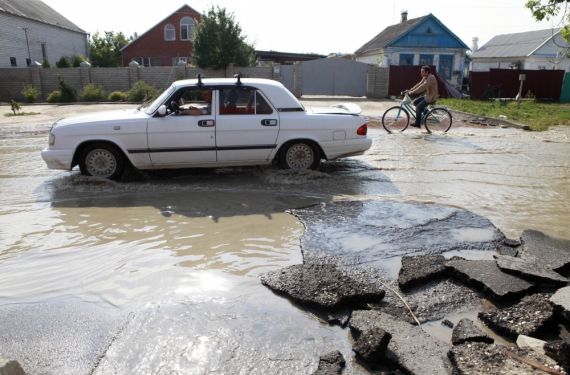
x=51 y=139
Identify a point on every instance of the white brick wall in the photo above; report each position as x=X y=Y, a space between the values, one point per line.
x=59 y=42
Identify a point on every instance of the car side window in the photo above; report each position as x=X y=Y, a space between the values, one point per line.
x=248 y=102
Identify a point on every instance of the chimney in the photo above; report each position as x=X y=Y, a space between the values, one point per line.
x=474 y=46
x=404 y=16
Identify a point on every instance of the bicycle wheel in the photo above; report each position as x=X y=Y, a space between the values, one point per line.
x=438 y=120
x=395 y=119
x=501 y=95
x=488 y=95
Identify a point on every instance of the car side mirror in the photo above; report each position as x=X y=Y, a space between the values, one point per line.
x=162 y=110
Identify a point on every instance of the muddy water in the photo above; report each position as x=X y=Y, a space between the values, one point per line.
x=203 y=237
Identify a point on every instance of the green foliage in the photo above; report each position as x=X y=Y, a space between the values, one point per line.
x=218 y=41
x=530 y=95
x=21 y=114
x=106 y=51
x=117 y=96
x=181 y=75
x=63 y=63
x=30 y=93
x=54 y=97
x=68 y=93
x=46 y=64
x=550 y=9
x=15 y=106
x=92 y=93
x=142 y=92
x=76 y=60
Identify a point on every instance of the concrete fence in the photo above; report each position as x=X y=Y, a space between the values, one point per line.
x=12 y=80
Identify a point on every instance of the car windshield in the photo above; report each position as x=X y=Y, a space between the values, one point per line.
x=160 y=100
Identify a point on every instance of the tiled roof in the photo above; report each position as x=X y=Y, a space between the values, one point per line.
x=37 y=10
x=389 y=34
x=515 y=45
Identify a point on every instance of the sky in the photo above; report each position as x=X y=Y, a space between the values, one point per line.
x=312 y=26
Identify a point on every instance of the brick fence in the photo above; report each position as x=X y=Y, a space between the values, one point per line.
x=122 y=79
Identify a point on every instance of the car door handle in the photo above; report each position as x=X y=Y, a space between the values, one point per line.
x=271 y=122
x=206 y=123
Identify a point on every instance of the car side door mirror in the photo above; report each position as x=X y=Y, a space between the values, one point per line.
x=162 y=110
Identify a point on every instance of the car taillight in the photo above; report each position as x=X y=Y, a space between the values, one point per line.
x=362 y=130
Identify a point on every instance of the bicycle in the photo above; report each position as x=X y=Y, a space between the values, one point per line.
x=398 y=118
x=494 y=92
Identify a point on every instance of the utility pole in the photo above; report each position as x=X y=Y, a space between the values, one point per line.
x=27 y=43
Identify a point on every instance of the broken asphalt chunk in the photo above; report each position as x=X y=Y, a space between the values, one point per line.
x=322 y=286
x=551 y=252
x=419 y=269
x=486 y=276
x=561 y=302
x=330 y=364
x=528 y=317
x=466 y=330
x=529 y=269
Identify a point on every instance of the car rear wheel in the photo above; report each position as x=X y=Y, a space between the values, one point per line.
x=299 y=155
x=102 y=160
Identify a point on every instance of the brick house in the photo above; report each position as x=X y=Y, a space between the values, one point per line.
x=418 y=41
x=165 y=43
x=32 y=31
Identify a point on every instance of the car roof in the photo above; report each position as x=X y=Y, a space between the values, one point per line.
x=275 y=92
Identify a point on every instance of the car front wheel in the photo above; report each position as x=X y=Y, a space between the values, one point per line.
x=299 y=155
x=101 y=160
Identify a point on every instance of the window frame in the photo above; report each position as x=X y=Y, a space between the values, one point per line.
x=430 y=57
x=13 y=61
x=406 y=56
x=172 y=29
x=149 y=60
x=443 y=74
x=44 y=51
x=187 y=24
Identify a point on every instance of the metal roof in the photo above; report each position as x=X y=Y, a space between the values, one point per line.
x=37 y=10
x=515 y=45
x=389 y=34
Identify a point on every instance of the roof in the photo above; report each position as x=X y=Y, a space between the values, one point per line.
x=389 y=34
x=395 y=35
x=170 y=15
x=37 y=10
x=515 y=45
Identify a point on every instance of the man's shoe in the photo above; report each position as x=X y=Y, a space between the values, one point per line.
x=415 y=125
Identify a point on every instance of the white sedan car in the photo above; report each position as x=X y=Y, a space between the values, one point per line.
x=209 y=123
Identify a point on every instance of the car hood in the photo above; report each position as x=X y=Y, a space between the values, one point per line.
x=122 y=114
x=340 y=108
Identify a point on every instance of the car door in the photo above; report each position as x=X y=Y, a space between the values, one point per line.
x=182 y=140
x=247 y=126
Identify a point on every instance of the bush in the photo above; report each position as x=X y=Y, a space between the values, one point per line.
x=46 y=64
x=68 y=93
x=63 y=63
x=76 y=61
x=142 y=92
x=116 y=96
x=30 y=93
x=92 y=93
x=54 y=97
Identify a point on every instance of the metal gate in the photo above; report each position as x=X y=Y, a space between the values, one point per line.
x=334 y=76
x=288 y=76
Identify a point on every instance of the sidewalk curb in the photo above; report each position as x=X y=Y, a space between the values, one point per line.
x=494 y=119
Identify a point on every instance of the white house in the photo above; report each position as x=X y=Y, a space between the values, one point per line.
x=32 y=31
x=532 y=50
x=418 y=41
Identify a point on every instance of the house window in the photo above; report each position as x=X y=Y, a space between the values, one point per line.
x=44 y=52
x=147 y=61
x=426 y=60
x=406 y=59
x=169 y=32
x=186 y=28
x=13 y=61
x=445 y=66
x=175 y=60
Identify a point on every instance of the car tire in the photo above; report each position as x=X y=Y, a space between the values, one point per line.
x=102 y=160
x=299 y=155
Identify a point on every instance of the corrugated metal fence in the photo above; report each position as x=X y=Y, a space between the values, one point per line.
x=544 y=84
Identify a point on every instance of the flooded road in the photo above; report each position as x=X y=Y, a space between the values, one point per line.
x=173 y=258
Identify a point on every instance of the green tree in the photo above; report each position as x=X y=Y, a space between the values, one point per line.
x=218 y=41
x=106 y=51
x=547 y=9
x=63 y=63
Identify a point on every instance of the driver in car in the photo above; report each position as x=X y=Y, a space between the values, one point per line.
x=205 y=110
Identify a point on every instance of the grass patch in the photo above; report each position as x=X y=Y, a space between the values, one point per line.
x=539 y=116
x=10 y=114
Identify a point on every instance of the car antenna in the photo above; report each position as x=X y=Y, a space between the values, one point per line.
x=200 y=76
x=238 y=83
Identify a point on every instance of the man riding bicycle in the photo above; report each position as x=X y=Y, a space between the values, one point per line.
x=428 y=83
